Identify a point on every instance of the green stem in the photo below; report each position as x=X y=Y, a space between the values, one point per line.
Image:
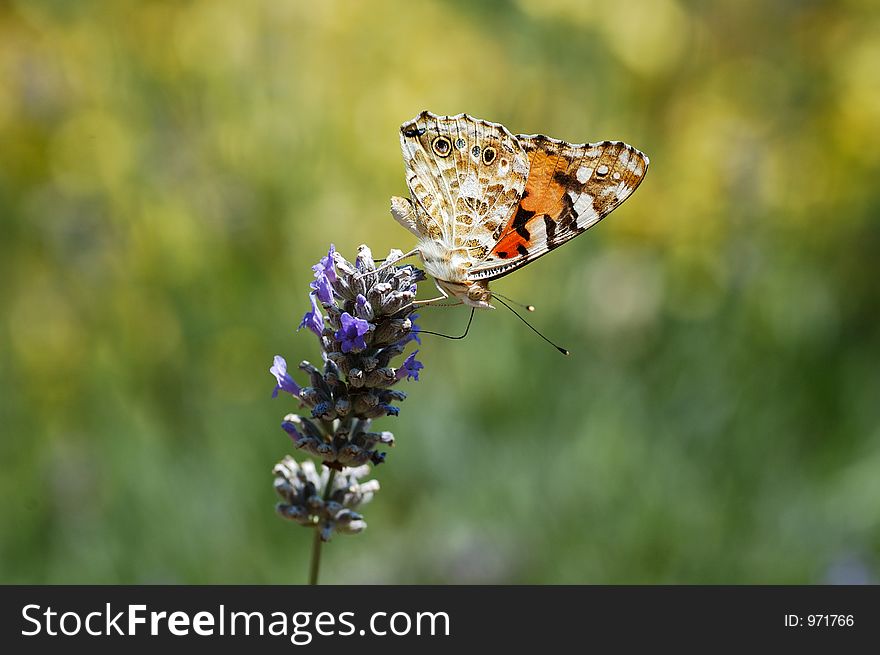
x=315 y=564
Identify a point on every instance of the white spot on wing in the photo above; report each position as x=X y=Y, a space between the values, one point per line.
x=622 y=190
x=634 y=165
x=583 y=203
x=470 y=188
x=499 y=213
x=409 y=150
x=583 y=174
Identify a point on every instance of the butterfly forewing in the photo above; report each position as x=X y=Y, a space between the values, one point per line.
x=569 y=189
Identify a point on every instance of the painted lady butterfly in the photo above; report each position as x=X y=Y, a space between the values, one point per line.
x=486 y=202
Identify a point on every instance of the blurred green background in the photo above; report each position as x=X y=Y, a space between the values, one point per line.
x=169 y=171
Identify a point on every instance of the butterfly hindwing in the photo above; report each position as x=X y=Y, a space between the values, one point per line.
x=464 y=175
x=569 y=189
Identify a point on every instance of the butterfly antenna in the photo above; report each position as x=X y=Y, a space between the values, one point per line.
x=446 y=336
x=560 y=349
x=528 y=308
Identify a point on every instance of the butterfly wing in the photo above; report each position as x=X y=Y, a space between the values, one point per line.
x=464 y=175
x=569 y=189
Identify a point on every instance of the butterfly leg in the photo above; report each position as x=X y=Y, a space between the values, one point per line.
x=432 y=301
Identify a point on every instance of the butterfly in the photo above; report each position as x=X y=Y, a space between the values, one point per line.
x=484 y=202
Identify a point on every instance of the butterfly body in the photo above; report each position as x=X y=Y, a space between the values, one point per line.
x=448 y=266
x=485 y=202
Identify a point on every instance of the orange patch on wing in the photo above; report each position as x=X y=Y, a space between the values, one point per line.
x=543 y=195
x=510 y=245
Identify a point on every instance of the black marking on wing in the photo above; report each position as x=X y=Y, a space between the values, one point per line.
x=550 y=229
x=519 y=222
x=567 y=180
x=568 y=217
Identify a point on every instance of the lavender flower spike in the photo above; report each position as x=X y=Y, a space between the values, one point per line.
x=363 y=317
x=364 y=328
